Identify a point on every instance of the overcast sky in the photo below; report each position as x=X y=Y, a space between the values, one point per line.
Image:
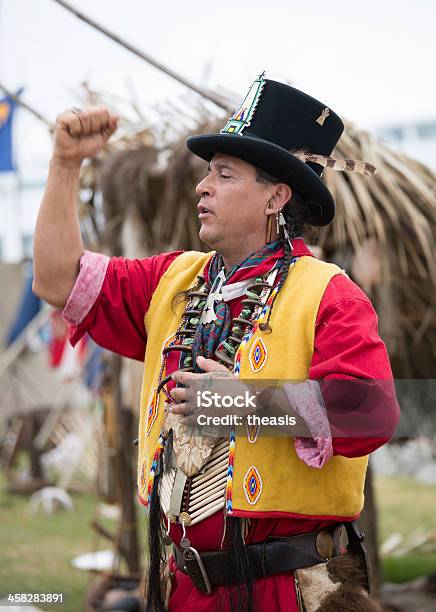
x=372 y=62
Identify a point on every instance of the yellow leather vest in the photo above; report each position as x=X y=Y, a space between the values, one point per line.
x=267 y=477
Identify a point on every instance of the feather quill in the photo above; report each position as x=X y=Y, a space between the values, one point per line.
x=341 y=165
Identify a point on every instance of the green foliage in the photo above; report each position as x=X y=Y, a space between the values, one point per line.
x=408 y=567
x=36 y=550
x=404 y=507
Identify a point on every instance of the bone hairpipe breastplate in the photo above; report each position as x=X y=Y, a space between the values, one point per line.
x=201 y=495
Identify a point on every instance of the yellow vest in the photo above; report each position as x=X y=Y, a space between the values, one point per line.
x=267 y=477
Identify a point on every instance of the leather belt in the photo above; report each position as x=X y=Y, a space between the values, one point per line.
x=274 y=556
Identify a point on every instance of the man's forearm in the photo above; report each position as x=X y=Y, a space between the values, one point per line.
x=57 y=242
x=78 y=134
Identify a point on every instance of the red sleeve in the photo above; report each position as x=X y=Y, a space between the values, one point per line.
x=348 y=347
x=116 y=319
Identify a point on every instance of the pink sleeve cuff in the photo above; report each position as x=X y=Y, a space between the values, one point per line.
x=307 y=401
x=88 y=285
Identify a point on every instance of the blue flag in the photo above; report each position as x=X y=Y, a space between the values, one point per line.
x=7 y=107
x=29 y=306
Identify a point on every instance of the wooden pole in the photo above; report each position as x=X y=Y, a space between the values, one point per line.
x=34 y=453
x=369 y=525
x=19 y=101
x=128 y=536
x=213 y=96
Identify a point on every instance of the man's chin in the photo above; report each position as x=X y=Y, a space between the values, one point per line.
x=207 y=237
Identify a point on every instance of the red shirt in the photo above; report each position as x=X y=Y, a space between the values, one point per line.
x=346 y=344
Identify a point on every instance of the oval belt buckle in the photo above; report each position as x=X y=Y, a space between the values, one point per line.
x=324 y=545
x=197 y=557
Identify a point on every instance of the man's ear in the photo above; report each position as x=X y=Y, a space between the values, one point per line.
x=282 y=195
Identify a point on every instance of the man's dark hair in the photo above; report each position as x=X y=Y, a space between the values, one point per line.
x=294 y=212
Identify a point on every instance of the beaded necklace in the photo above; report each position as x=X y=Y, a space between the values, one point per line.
x=196 y=300
x=195 y=505
x=259 y=296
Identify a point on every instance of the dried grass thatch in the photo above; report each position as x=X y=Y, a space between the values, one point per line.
x=383 y=233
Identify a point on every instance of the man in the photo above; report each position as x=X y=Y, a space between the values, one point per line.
x=268 y=511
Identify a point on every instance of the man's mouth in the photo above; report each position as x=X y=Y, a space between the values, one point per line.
x=204 y=211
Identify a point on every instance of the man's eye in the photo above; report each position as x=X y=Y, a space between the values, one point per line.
x=225 y=176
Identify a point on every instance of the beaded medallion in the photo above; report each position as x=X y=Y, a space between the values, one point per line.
x=252 y=485
x=258 y=355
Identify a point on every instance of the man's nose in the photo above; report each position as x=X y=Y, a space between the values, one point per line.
x=203 y=188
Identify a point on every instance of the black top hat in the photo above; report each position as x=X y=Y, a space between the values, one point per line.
x=273 y=125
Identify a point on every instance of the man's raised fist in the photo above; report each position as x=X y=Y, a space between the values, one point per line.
x=82 y=133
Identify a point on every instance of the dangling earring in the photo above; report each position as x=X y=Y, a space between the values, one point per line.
x=269 y=225
x=269 y=229
x=282 y=222
x=277 y=221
